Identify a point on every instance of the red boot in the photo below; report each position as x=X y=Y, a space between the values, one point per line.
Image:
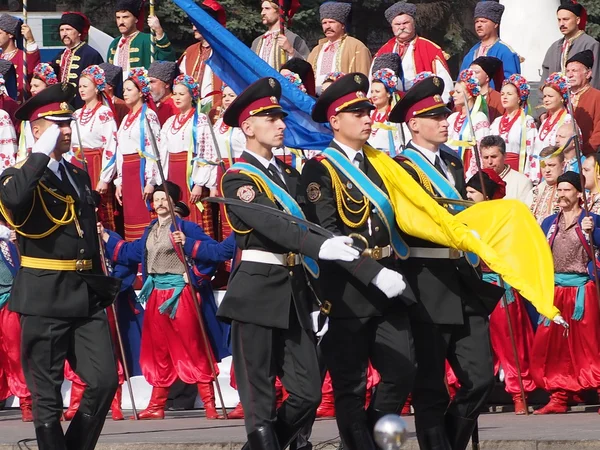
x=25 y=405
x=237 y=413
x=327 y=406
x=556 y=405
x=520 y=409
x=115 y=406
x=207 y=395
x=156 y=407
x=406 y=408
x=77 y=391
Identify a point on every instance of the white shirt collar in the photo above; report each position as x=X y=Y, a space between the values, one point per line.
x=427 y=153
x=350 y=152
x=264 y=161
x=53 y=166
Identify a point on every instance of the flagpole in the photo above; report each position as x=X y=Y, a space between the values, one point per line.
x=153 y=34
x=24 y=52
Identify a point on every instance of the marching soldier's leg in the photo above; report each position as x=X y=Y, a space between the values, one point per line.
x=430 y=394
x=301 y=377
x=472 y=363
x=92 y=357
x=393 y=356
x=44 y=346
x=252 y=351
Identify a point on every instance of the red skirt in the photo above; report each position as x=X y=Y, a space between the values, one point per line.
x=177 y=174
x=10 y=353
x=502 y=346
x=135 y=212
x=173 y=348
x=569 y=363
x=4 y=391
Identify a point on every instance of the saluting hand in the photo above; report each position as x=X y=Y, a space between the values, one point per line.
x=178 y=237
x=587 y=224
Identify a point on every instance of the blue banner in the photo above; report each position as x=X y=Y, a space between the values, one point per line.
x=238 y=66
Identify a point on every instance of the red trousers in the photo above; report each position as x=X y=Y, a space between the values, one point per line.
x=173 y=348
x=10 y=353
x=569 y=363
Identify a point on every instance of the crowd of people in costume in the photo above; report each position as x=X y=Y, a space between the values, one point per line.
x=145 y=119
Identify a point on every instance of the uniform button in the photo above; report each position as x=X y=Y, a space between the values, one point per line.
x=376 y=228
x=291 y=273
x=82 y=251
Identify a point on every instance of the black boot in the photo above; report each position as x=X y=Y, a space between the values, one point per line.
x=263 y=438
x=362 y=439
x=50 y=436
x=433 y=439
x=84 y=431
x=459 y=430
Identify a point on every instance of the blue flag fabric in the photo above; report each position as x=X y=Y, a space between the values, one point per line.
x=238 y=67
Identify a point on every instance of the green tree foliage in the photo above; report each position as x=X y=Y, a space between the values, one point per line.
x=593 y=10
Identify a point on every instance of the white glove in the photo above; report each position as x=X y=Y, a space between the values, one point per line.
x=389 y=282
x=338 y=248
x=47 y=141
x=315 y=315
x=559 y=320
x=4 y=233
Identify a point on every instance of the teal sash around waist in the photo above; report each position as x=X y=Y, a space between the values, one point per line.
x=4 y=299
x=287 y=202
x=577 y=280
x=163 y=281
x=494 y=278
x=376 y=196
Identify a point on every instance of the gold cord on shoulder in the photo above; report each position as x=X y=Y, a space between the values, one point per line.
x=423 y=178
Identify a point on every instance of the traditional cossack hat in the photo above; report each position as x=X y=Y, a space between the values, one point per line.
x=337 y=11
x=165 y=71
x=489 y=9
x=10 y=24
x=78 y=21
x=585 y=57
x=399 y=8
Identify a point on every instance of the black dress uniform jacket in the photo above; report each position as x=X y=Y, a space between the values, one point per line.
x=52 y=293
x=349 y=282
x=445 y=286
x=259 y=293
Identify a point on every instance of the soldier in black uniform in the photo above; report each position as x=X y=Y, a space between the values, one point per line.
x=268 y=301
x=369 y=317
x=59 y=291
x=450 y=321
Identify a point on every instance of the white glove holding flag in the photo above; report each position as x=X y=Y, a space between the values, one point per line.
x=315 y=316
x=559 y=320
x=389 y=282
x=338 y=248
x=47 y=141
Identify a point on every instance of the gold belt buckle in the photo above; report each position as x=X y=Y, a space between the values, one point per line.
x=376 y=253
x=290 y=259
x=326 y=307
x=79 y=265
x=454 y=253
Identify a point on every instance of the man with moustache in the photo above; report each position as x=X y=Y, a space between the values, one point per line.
x=77 y=55
x=12 y=29
x=337 y=52
x=418 y=54
x=134 y=48
x=272 y=47
x=193 y=62
x=60 y=290
x=161 y=75
x=572 y=19
x=488 y=15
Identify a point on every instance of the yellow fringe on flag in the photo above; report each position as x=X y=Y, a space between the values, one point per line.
x=511 y=242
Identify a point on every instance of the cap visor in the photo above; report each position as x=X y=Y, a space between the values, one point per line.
x=58 y=118
x=271 y=112
x=358 y=106
x=439 y=111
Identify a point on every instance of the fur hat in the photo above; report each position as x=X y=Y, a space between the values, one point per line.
x=337 y=11
x=10 y=24
x=78 y=21
x=399 y=8
x=165 y=71
x=489 y=9
x=390 y=61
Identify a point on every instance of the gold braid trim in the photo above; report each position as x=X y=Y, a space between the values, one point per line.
x=68 y=217
x=342 y=196
x=423 y=178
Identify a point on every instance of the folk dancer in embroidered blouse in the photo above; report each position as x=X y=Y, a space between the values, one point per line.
x=517 y=128
x=591 y=173
x=133 y=48
x=114 y=90
x=460 y=136
x=543 y=198
x=171 y=337
x=486 y=70
x=561 y=366
x=337 y=52
x=8 y=139
x=43 y=76
x=11 y=29
x=8 y=96
x=94 y=132
x=384 y=135
x=10 y=325
x=78 y=54
x=136 y=171
x=417 y=53
x=555 y=93
x=188 y=154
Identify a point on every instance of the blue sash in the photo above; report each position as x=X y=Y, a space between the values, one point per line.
x=441 y=184
x=380 y=200
x=287 y=202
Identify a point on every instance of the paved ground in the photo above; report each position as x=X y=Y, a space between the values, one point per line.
x=190 y=431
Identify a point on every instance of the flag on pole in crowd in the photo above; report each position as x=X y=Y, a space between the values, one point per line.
x=238 y=66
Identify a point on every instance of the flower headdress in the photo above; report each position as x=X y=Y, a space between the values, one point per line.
x=139 y=76
x=388 y=78
x=45 y=72
x=559 y=83
x=521 y=84
x=295 y=79
x=467 y=77
x=96 y=74
x=190 y=83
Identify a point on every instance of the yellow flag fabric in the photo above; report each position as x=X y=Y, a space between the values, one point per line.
x=511 y=242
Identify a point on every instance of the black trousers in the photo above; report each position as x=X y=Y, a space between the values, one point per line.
x=467 y=348
x=348 y=347
x=46 y=342
x=259 y=355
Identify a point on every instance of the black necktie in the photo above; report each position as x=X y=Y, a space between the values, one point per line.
x=438 y=166
x=276 y=176
x=65 y=179
x=359 y=158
